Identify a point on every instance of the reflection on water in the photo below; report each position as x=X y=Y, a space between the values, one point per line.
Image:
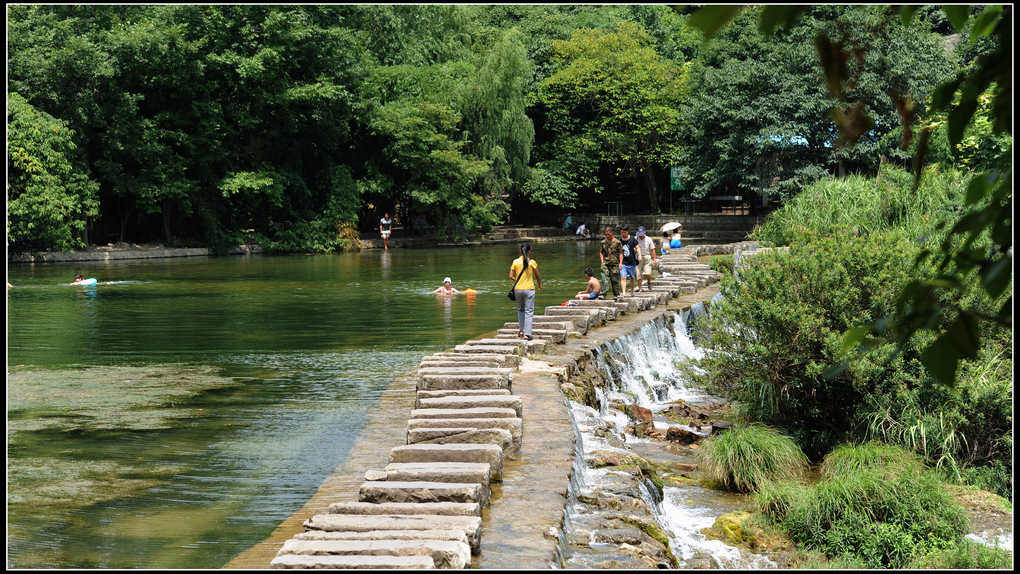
x=173 y=415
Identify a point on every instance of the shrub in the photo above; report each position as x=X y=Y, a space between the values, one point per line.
x=745 y=457
x=876 y=503
x=965 y=554
x=770 y=340
x=722 y=263
x=863 y=205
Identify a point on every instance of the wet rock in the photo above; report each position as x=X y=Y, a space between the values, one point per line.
x=728 y=528
x=552 y=532
x=682 y=436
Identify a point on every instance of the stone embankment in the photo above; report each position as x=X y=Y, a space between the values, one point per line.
x=120 y=252
x=464 y=436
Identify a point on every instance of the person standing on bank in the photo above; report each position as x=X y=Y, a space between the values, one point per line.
x=384 y=230
x=648 y=258
x=611 y=256
x=524 y=272
x=629 y=261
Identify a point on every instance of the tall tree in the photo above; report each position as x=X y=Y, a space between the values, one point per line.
x=613 y=105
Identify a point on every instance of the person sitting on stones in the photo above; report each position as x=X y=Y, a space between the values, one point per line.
x=593 y=289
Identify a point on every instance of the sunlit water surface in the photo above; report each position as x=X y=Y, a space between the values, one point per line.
x=173 y=415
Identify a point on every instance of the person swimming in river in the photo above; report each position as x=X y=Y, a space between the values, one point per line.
x=78 y=279
x=593 y=289
x=447 y=288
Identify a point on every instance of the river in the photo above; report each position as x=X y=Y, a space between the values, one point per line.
x=173 y=415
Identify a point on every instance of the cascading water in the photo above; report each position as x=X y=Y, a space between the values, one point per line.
x=643 y=368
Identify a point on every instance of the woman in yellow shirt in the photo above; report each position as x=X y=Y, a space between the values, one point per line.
x=524 y=290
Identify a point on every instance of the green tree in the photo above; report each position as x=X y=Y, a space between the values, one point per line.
x=612 y=105
x=49 y=199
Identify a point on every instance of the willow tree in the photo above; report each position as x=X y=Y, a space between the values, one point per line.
x=495 y=118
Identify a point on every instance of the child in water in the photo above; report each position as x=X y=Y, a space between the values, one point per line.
x=447 y=288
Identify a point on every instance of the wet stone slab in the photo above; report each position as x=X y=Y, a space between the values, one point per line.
x=444 y=553
x=450 y=508
x=294 y=561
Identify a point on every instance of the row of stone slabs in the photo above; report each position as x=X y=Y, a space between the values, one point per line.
x=423 y=510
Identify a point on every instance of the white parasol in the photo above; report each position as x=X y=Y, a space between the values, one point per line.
x=670 y=226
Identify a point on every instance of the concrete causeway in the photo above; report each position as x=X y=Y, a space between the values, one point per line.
x=465 y=484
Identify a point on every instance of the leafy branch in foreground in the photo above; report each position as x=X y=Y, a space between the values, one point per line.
x=979 y=243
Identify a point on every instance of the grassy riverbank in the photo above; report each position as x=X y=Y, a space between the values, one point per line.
x=853 y=244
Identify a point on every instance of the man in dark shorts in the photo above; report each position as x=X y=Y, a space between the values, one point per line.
x=629 y=260
x=611 y=255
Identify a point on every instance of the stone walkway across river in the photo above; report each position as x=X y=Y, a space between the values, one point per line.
x=424 y=508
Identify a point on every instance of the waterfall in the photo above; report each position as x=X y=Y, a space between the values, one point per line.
x=643 y=368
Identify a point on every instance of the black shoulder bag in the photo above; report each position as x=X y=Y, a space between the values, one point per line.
x=511 y=294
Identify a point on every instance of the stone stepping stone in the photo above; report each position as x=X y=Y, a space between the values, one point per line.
x=513 y=425
x=471 y=526
x=465 y=382
x=466 y=370
x=467 y=361
x=420 y=491
x=444 y=553
x=495 y=342
x=461 y=435
x=455 y=535
x=448 y=508
x=553 y=336
x=536 y=346
x=504 y=401
x=462 y=393
x=471 y=452
x=354 y=562
x=595 y=316
x=621 y=308
x=509 y=360
x=609 y=310
x=477 y=472
x=465 y=413
x=580 y=324
x=483 y=348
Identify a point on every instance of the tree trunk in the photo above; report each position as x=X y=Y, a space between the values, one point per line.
x=125 y=215
x=842 y=169
x=653 y=189
x=167 y=208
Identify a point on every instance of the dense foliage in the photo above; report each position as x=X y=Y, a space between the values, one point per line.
x=282 y=124
x=875 y=505
x=852 y=247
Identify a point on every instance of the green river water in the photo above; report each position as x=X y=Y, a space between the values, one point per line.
x=173 y=415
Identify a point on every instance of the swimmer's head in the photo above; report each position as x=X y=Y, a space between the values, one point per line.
x=447 y=280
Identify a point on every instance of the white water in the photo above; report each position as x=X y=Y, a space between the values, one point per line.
x=643 y=369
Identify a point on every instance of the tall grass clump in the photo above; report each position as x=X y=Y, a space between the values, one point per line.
x=965 y=555
x=745 y=457
x=863 y=205
x=877 y=504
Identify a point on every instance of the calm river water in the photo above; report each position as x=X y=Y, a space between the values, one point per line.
x=173 y=415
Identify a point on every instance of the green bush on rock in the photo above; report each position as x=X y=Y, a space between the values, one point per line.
x=745 y=457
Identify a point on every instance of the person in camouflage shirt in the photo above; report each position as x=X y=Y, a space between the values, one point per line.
x=611 y=255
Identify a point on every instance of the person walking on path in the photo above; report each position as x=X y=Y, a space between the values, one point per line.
x=384 y=230
x=611 y=256
x=524 y=289
x=629 y=261
x=648 y=258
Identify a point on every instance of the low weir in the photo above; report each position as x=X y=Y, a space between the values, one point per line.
x=497 y=457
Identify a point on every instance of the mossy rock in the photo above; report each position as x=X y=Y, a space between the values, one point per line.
x=653 y=530
x=728 y=528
